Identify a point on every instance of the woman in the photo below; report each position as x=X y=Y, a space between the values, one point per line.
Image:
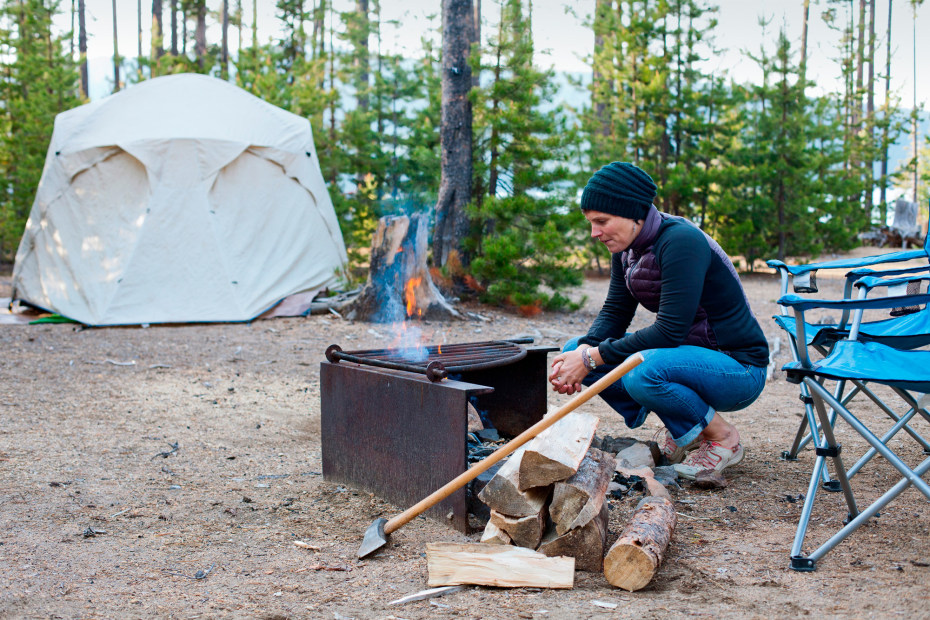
x=705 y=352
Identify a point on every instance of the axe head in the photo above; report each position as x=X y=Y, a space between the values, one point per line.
x=375 y=538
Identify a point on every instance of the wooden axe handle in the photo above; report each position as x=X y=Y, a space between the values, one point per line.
x=475 y=470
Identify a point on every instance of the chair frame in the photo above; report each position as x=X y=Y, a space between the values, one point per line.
x=827 y=406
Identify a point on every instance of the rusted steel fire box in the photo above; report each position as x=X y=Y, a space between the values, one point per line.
x=401 y=435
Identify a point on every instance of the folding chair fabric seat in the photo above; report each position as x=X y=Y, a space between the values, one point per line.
x=870 y=361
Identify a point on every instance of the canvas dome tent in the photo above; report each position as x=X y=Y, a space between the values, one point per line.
x=180 y=199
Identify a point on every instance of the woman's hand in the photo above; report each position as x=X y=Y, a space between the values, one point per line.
x=568 y=370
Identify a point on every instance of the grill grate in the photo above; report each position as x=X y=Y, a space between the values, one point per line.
x=439 y=360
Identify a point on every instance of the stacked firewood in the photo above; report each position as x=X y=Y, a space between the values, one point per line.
x=550 y=495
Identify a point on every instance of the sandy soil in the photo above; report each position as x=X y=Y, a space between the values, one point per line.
x=87 y=413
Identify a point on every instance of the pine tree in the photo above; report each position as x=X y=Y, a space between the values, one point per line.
x=40 y=81
x=521 y=234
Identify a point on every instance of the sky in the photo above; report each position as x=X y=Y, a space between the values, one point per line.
x=563 y=39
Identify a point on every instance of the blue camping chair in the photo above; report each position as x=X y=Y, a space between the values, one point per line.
x=860 y=360
x=907 y=328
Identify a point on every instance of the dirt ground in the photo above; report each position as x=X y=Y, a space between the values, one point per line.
x=90 y=417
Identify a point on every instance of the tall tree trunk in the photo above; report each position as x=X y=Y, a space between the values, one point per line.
x=886 y=108
x=115 y=52
x=224 y=54
x=200 y=34
x=71 y=37
x=139 y=39
x=254 y=24
x=914 y=109
x=870 y=113
x=241 y=18
x=598 y=88
x=860 y=60
x=476 y=20
x=174 y=27
x=803 y=65
x=361 y=55
x=455 y=135
x=158 y=32
x=82 y=49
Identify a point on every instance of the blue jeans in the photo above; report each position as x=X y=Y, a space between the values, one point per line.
x=684 y=386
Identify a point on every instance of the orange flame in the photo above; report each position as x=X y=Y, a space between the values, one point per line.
x=440 y=349
x=410 y=296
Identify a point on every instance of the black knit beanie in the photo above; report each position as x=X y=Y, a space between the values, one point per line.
x=619 y=188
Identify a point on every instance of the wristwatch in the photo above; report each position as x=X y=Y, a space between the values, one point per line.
x=589 y=358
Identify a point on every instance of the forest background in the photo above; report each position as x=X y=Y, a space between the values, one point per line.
x=785 y=163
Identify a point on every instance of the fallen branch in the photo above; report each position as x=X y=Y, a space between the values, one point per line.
x=425 y=594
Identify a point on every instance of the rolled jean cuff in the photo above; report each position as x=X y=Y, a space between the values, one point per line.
x=696 y=430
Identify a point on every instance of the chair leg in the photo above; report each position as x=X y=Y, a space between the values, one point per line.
x=808 y=563
x=874 y=441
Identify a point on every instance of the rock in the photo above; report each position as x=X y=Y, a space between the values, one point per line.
x=613 y=444
x=710 y=479
x=635 y=456
x=667 y=476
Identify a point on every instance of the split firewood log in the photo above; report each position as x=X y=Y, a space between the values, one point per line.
x=496 y=565
x=634 y=559
x=502 y=493
x=494 y=535
x=523 y=531
x=585 y=544
x=558 y=451
x=579 y=498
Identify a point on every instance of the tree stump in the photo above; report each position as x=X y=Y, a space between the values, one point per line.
x=399 y=286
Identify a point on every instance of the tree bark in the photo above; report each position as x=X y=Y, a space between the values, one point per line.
x=174 y=27
x=200 y=34
x=82 y=49
x=139 y=39
x=803 y=65
x=115 y=52
x=887 y=107
x=361 y=56
x=502 y=493
x=224 y=53
x=158 y=33
x=634 y=559
x=585 y=544
x=523 y=531
x=578 y=499
x=398 y=273
x=455 y=135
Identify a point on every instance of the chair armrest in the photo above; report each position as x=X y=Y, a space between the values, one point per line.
x=878 y=303
x=870 y=282
x=852 y=263
x=884 y=273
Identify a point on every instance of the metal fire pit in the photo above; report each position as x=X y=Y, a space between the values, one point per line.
x=398 y=428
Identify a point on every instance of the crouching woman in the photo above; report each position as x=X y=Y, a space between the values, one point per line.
x=705 y=353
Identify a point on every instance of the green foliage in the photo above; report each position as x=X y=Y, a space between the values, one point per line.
x=39 y=81
x=522 y=240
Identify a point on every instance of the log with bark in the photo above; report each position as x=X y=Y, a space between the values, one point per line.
x=502 y=494
x=496 y=565
x=585 y=544
x=399 y=285
x=558 y=451
x=634 y=559
x=579 y=498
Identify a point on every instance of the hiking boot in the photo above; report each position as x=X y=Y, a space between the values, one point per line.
x=671 y=450
x=711 y=455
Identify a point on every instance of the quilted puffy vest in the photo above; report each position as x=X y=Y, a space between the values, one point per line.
x=643 y=276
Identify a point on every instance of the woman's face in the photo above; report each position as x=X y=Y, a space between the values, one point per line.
x=616 y=232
